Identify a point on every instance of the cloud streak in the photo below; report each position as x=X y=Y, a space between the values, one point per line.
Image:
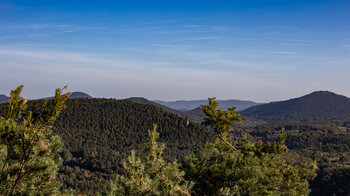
x=210 y=74
x=199 y=38
x=41 y=30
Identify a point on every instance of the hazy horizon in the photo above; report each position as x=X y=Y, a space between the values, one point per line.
x=175 y=100
x=252 y=50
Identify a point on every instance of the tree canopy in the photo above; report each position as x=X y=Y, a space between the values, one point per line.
x=150 y=175
x=28 y=151
x=243 y=167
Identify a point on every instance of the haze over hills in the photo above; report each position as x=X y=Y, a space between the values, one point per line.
x=74 y=95
x=4 y=98
x=78 y=94
x=146 y=101
x=98 y=135
x=195 y=115
x=317 y=106
x=193 y=104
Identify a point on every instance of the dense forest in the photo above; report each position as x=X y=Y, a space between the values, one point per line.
x=328 y=143
x=193 y=104
x=99 y=133
x=317 y=106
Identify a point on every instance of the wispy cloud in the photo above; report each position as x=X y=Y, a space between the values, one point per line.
x=172 y=46
x=277 y=52
x=188 y=73
x=166 y=21
x=40 y=30
x=36 y=34
x=48 y=69
x=199 y=38
x=295 y=44
x=36 y=26
x=287 y=28
x=345 y=46
x=155 y=22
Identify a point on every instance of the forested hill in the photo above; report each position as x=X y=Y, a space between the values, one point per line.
x=317 y=106
x=76 y=95
x=146 y=101
x=99 y=133
x=195 y=115
x=193 y=104
x=4 y=98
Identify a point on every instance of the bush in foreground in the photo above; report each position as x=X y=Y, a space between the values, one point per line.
x=28 y=152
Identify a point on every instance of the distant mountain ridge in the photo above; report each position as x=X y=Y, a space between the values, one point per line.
x=74 y=95
x=99 y=133
x=316 y=106
x=78 y=94
x=193 y=104
x=4 y=98
x=195 y=115
x=143 y=100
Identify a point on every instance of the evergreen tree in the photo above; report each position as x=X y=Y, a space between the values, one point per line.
x=150 y=175
x=245 y=167
x=28 y=152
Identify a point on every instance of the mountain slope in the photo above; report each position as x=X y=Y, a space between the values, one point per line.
x=98 y=135
x=4 y=98
x=146 y=101
x=76 y=95
x=317 y=106
x=191 y=105
x=195 y=115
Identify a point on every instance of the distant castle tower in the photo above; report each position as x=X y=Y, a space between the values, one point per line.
x=187 y=122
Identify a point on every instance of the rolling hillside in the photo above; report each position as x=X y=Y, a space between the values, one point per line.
x=194 y=115
x=317 y=106
x=76 y=95
x=4 y=98
x=193 y=104
x=98 y=135
x=146 y=101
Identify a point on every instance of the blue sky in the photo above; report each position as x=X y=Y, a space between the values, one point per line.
x=254 y=50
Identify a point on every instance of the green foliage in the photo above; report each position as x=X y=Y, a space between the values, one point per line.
x=100 y=133
x=328 y=143
x=28 y=152
x=247 y=169
x=150 y=175
x=220 y=121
